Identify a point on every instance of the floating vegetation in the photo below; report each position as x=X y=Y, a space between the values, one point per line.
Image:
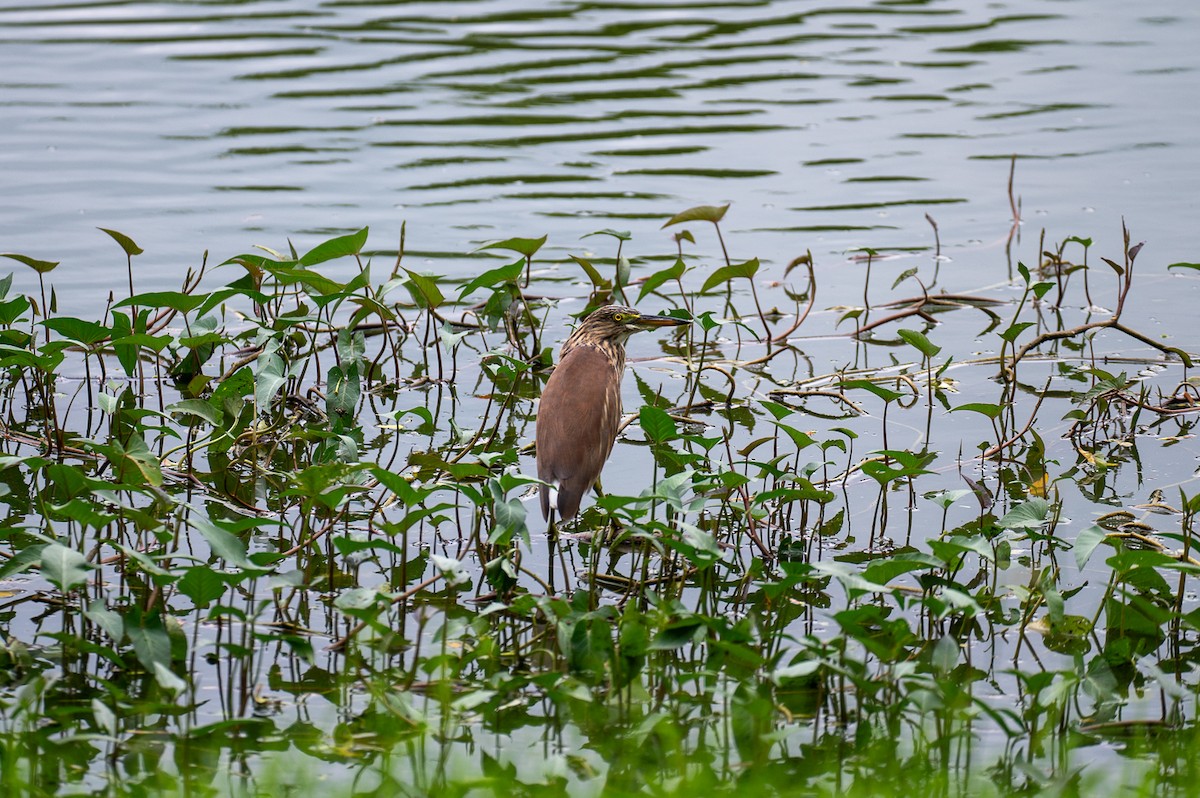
x=274 y=529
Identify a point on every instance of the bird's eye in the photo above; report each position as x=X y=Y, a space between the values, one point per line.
x=621 y=318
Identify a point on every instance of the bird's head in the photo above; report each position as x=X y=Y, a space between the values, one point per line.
x=617 y=322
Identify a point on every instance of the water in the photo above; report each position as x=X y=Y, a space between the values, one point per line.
x=200 y=126
x=833 y=127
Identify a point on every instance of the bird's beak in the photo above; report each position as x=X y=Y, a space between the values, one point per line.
x=650 y=322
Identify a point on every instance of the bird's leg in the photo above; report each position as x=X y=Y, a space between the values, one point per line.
x=566 y=571
x=552 y=538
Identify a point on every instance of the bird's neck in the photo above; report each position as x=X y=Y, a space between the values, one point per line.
x=614 y=351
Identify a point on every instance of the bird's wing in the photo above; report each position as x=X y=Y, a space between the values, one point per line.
x=577 y=421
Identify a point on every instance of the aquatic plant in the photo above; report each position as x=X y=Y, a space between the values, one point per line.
x=274 y=529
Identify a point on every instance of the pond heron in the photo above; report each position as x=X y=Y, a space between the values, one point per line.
x=580 y=409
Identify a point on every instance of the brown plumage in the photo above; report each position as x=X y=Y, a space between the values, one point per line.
x=580 y=409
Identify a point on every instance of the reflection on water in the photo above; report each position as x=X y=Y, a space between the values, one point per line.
x=193 y=126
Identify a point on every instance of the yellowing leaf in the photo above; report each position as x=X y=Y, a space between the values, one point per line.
x=1039 y=487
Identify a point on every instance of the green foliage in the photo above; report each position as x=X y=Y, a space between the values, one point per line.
x=285 y=522
x=724 y=274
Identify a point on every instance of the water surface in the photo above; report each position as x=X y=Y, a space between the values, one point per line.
x=831 y=126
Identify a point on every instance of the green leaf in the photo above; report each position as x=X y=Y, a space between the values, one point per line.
x=427 y=426
x=919 y=342
x=651 y=283
x=1182 y=265
x=127 y=354
x=777 y=409
x=509 y=514
x=243 y=289
x=904 y=275
x=39 y=266
x=344 y=390
x=168 y=680
x=269 y=378
x=676 y=635
x=657 y=424
x=946 y=498
x=175 y=300
x=346 y=546
x=724 y=274
x=991 y=411
x=883 y=572
x=124 y=241
x=700 y=213
x=800 y=438
x=620 y=235
x=802 y=490
x=906 y=465
x=13 y=309
x=951 y=548
x=424 y=290
x=339 y=247
x=705 y=550
x=598 y=282
x=84 y=332
x=224 y=544
x=624 y=271
x=64 y=567
x=501 y=274
x=203 y=585
x=1086 y=542
x=1015 y=330
x=450 y=338
x=523 y=246
x=321 y=285
x=132 y=461
x=21 y=561
x=200 y=408
x=945 y=655
x=886 y=394
x=150 y=641
x=707 y=322
x=106 y=619
x=1032 y=514
x=356 y=598
x=82 y=511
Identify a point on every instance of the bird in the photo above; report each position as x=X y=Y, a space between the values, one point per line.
x=580 y=410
